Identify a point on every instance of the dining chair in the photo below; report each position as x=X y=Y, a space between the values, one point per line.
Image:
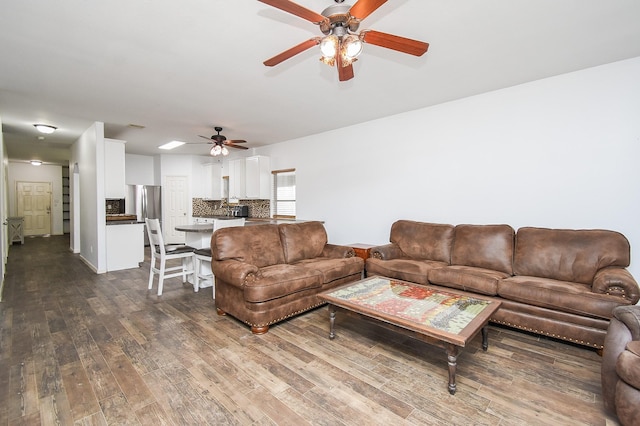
x=161 y=253
x=204 y=254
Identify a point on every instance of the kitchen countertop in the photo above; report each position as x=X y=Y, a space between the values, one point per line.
x=123 y=222
x=208 y=227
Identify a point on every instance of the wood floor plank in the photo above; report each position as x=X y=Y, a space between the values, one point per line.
x=22 y=398
x=103 y=383
x=81 y=398
x=133 y=386
x=117 y=411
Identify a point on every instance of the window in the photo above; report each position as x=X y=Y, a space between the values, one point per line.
x=284 y=193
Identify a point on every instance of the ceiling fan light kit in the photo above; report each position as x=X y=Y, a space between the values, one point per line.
x=341 y=44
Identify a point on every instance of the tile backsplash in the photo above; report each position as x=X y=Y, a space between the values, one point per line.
x=114 y=206
x=203 y=208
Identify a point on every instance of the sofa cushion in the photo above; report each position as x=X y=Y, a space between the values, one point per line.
x=257 y=245
x=302 y=240
x=563 y=296
x=468 y=278
x=333 y=269
x=406 y=269
x=420 y=240
x=484 y=246
x=276 y=281
x=568 y=255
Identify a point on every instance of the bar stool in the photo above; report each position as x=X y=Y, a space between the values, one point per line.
x=204 y=254
x=161 y=253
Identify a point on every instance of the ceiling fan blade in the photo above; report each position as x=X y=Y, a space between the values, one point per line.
x=206 y=137
x=390 y=41
x=234 y=141
x=235 y=146
x=296 y=9
x=344 y=72
x=292 y=52
x=364 y=8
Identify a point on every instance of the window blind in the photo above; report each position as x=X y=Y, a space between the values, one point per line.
x=284 y=193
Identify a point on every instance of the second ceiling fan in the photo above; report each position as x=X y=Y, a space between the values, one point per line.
x=220 y=143
x=342 y=44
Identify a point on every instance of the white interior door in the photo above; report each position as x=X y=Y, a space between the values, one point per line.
x=34 y=204
x=176 y=196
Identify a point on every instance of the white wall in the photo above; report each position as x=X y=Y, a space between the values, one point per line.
x=88 y=153
x=139 y=170
x=25 y=172
x=561 y=152
x=4 y=213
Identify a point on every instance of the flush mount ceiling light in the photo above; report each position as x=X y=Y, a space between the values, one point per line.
x=45 y=128
x=36 y=162
x=171 y=145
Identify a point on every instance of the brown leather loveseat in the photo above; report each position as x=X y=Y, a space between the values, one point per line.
x=266 y=273
x=556 y=282
x=621 y=365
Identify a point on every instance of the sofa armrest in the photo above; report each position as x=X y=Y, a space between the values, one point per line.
x=386 y=252
x=628 y=364
x=616 y=282
x=336 y=251
x=233 y=271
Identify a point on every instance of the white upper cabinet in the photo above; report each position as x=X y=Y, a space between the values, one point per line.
x=258 y=178
x=114 y=170
x=237 y=179
x=212 y=181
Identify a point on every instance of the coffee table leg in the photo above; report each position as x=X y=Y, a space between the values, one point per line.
x=332 y=320
x=485 y=338
x=452 y=360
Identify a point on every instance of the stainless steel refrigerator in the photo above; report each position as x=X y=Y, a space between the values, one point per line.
x=145 y=201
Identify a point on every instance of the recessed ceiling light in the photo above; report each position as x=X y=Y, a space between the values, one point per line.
x=45 y=128
x=36 y=162
x=171 y=145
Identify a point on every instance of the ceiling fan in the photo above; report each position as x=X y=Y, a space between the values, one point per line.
x=342 y=44
x=220 y=143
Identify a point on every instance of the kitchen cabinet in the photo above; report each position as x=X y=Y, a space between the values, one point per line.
x=237 y=179
x=211 y=184
x=114 y=181
x=257 y=177
x=125 y=246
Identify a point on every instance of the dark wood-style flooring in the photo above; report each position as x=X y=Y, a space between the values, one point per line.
x=88 y=349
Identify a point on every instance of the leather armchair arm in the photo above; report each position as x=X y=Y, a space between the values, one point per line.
x=628 y=364
x=336 y=251
x=616 y=282
x=386 y=252
x=233 y=272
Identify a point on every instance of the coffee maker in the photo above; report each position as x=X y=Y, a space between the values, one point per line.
x=240 y=211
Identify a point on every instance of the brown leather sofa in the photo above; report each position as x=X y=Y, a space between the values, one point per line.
x=621 y=365
x=266 y=273
x=556 y=282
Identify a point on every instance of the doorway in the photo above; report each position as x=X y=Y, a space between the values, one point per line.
x=34 y=204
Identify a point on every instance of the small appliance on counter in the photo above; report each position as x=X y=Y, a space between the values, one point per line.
x=240 y=211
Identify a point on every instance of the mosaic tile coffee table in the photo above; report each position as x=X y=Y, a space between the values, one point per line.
x=441 y=317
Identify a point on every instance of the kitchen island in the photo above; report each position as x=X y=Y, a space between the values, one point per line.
x=199 y=236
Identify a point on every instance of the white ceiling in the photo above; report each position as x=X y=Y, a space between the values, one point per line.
x=178 y=68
